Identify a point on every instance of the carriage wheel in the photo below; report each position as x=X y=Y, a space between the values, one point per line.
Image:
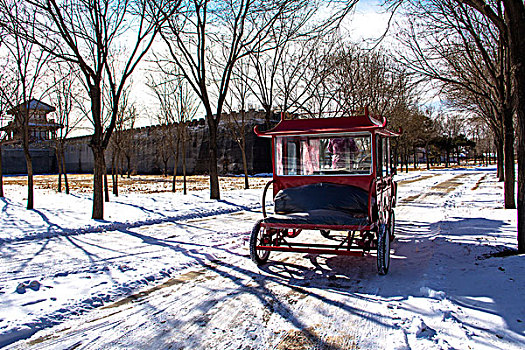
x=383 y=249
x=257 y=237
x=392 y=225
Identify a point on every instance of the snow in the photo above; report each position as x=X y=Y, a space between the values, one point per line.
x=168 y=270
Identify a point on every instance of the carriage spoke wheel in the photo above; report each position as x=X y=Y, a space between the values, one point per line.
x=259 y=237
x=392 y=225
x=383 y=249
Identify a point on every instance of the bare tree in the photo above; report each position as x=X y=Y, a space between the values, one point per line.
x=27 y=62
x=87 y=34
x=128 y=142
x=303 y=82
x=324 y=74
x=294 y=43
x=451 y=127
x=7 y=95
x=470 y=59
x=186 y=109
x=64 y=94
x=177 y=107
x=419 y=130
x=483 y=137
x=484 y=110
x=225 y=30
x=509 y=18
x=236 y=120
x=164 y=134
x=360 y=78
x=122 y=139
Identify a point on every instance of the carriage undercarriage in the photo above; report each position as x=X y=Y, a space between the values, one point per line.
x=348 y=240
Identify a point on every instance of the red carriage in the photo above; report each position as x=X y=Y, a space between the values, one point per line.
x=329 y=174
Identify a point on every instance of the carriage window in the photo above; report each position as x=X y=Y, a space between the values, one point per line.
x=379 y=156
x=383 y=159
x=291 y=156
x=318 y=155
x=386 y=158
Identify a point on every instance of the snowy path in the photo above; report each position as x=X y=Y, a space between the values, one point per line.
x=190 y=284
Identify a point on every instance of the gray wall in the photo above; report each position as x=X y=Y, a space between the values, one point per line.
x=145 y=157
x=14 y=161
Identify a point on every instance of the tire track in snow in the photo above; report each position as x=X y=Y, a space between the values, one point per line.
x=440 y=189
x=445 y=193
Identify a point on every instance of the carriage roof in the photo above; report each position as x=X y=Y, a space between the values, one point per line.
x=303 y=124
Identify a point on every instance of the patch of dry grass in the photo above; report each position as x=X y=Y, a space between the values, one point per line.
x=83 y=183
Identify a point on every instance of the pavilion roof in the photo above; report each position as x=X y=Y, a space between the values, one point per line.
x=33 y=104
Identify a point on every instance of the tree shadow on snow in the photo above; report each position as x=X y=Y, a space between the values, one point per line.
x=261 y=286
x=429 y=260
x=445 y=259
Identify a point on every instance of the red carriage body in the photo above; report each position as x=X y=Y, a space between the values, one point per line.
x=329 y=174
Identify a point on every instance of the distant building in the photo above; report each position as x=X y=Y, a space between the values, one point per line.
x=41 y=130
x=40 y=127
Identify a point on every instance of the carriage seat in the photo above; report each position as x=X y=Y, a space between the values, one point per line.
x=321 y=204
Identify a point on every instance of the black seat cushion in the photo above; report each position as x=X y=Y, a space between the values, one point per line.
x=318 y=217
x=345 y=198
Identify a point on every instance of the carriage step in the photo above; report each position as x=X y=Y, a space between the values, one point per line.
x=313 y=250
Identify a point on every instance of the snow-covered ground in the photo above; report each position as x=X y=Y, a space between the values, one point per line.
x=171 y=271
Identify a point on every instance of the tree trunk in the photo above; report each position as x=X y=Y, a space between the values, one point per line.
x=184 y=161
x=1 y=175
x=97 y=147
x=242 y=146
x=500 y=156
x=267 y=116
x=394 y=157
x=29 y=164
x=106 y=185
x=59 y=162
x=66 y=183
x=30 y=193
x=521 y=177
x=113 y=171
x=427 y=156
x=414 y=155
x=128 y=159
x=120 y=166
x=165 y=171
x=515 y=19
x=176 y=165
x=116 y=173
x=214 y=172
x=98 y=174
x=509 y=175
